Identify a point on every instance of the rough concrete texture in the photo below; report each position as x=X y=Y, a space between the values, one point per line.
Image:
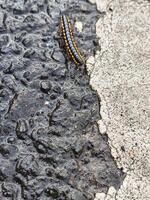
x=121 y=77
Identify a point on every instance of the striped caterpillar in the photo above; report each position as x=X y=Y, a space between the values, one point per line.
x=66 y=31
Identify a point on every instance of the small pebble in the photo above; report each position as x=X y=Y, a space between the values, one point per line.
x=45 y=86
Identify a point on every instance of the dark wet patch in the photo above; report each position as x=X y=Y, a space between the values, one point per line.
x=50 y=144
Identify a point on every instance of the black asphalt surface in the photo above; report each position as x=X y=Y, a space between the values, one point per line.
x=50 y=144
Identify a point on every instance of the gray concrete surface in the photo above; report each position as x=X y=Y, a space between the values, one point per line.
x=121 y=75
